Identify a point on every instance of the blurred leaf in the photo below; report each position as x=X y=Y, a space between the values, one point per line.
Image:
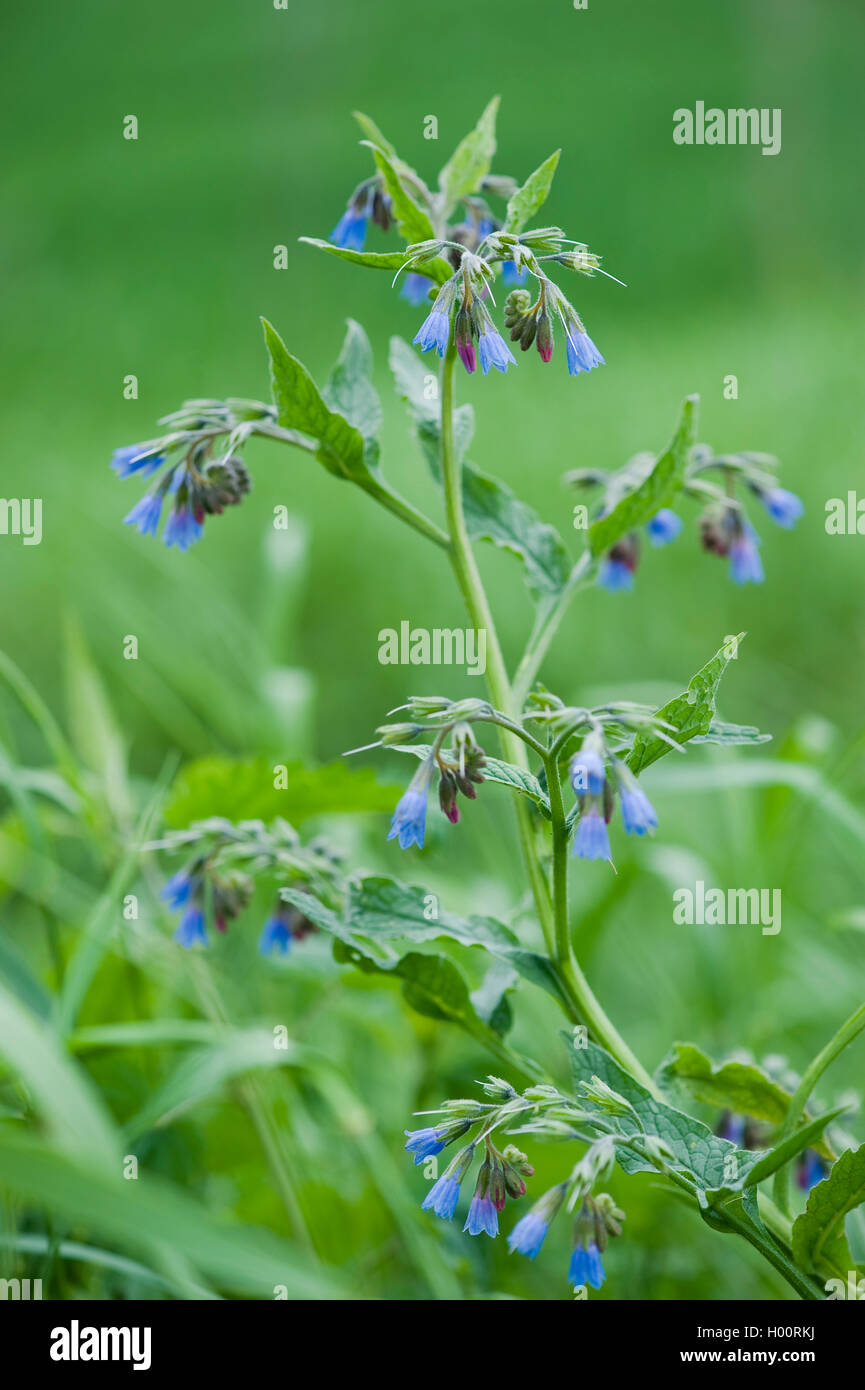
x=69 y=1106
x=529 y=199
x=731 y=734
x=350 y=389
x=148 y=1214
x=471 y=160
x=807 y=1137
x=95 y=732
x=492 y=511
x=819 y=1241
x=204 y=1071
x=341 y=447
x=738 y=1086
x=658 y=489
x=690 y=713
x=17 y=975
x=244 y=790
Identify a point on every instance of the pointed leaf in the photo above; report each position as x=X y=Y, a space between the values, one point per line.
x=350 y=389
x=689 y=713
x=819 y=1241
x=658 y=489
x=471 y=160
x=529 y=199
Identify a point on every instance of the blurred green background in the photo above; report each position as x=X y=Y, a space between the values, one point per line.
x=155 y=257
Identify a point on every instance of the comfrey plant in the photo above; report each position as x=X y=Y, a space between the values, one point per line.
x=573 y=773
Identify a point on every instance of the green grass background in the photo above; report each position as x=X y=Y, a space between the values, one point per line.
x=155 y=257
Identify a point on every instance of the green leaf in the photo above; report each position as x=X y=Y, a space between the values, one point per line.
x=62 y=1094
x=731 y=734
x=808 y=1136
x=373 y=134
x=204 y=1071
x=819 y=1242
x=694 y=1147
x=690 y=713
x=300 y=406
x=529 y=199
x=381 y=907
x=738 y=1086
x=471 y=160
x=412 y=221
x=492 y=511
x=658 y=489
x=244 y=790
x=376 y=260
x=150 y=1215
x=349 y=389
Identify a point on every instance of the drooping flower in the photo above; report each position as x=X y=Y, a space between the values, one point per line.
x=182 y=528
x=616 y=573
x=511 y=277
x=586 y=1266
x=732 y=1127
x=638 y=813
x=591 y=840
x=435 y=330
x=664 y=526
x=587 y=769
x=275 y=937
x=530 y=1232
x=350 y=230
x=178 y=890
x=146 y=514
x=429 y=1141
x=409 y=819
x=191 y=931
x=415 y=288
x=136 y=458
x=810 y=1169
x=483 y=1215
x=465 y=333
x=581 y=351
x=444 y=1194
x=784 y=507
x=746 y=566
x=493 y=351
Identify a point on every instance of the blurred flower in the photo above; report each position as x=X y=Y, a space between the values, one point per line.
x=275 y=938
x=664 y=527
x=178 y=890
x=415 y=288
x=745 y=563
x=810 y=1169
x=530 y=1232
x=191 y=931
x=586 y=1266
x=483 y=1215
x=638 y=813
x=784 y=507
x=146 y=514
x=136 y=458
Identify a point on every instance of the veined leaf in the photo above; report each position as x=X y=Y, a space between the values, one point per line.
x=492 y=511
x=244 y=790
x=412 y=221
x=376 y=260
x=738 y=1086
x=300 y=406
x=658 y=489
x=819 y=1241
x=349 y=389
x=471 y=160
x=529 y=199
x=711 y=1160
x=690 y=713
x=381 y=907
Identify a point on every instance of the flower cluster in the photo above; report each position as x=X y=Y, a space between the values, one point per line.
x=725 y=529
x=459 y=770
x=216 y=884
x=199 y=471
x=502 y=1172
x=596 y=786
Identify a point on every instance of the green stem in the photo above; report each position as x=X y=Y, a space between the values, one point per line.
x=545 y=629
x=846 y=1033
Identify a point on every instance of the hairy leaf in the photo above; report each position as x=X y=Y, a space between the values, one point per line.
x=731 y=734
x=471 y=160
x=690 y=713
x=411 y=219
x=529 y=199
x=819 y=1241
x=350 y=389
x=658 y=489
